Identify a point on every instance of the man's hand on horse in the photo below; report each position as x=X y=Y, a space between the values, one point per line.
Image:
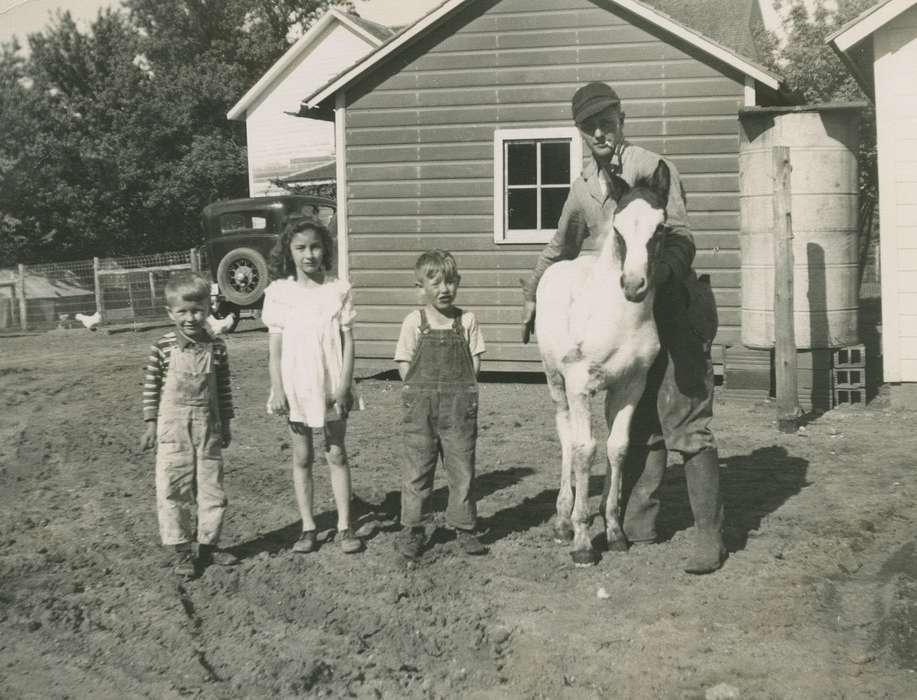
x=528 y=320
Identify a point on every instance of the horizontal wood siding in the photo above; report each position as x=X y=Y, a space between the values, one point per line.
x=420 y=153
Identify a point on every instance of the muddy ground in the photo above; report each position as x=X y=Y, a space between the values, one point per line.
x=817 y=600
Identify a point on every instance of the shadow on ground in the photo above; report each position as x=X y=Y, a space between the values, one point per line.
x=384 y=514
x=752 y=487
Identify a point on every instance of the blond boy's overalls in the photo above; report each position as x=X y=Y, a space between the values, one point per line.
x=440 y=416
x=189 y=461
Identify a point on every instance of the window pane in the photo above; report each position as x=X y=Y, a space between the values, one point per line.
x=232 y=222
x=520 y=163
x=555 y=163
x=552 y=202
x=522 y=209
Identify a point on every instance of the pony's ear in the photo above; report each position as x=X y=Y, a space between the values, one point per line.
x=619 y=187
x=661 y=180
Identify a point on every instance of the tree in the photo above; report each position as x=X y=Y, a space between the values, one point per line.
x=114 y=139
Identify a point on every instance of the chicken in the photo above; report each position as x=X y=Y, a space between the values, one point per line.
x=91 y=322
x=219 y=326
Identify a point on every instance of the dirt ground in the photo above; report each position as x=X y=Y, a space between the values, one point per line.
x=817 y=600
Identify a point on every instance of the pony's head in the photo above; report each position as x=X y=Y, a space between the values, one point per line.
x=638 y=229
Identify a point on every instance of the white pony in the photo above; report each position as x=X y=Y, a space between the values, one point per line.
x=595 y=327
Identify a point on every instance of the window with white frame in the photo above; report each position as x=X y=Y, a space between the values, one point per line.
x=533 y=170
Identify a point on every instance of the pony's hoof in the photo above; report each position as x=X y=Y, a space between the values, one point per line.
x=583 y=557
x=563 y=532
x=618 y=545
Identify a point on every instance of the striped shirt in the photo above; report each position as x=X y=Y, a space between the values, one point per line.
x=157 y=367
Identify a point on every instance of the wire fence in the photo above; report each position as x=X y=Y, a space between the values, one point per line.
x=109 y=291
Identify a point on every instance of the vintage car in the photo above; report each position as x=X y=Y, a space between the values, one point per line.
x=240 y=234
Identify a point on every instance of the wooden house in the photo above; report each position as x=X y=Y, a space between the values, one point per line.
x=880 y=48
x=281 y=146
x=429 y=125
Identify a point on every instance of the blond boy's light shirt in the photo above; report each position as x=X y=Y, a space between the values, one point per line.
x=410 y=334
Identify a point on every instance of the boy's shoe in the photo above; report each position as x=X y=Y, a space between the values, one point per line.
x=183 y=563
x=470 y=544
x=410 y=543
x=208 y=554
x=350 y=543
x=306 y=542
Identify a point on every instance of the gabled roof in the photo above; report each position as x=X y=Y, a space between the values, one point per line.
x=374 y=34
x=727 y=22
x=853 y=42
x=868 y=22
x=723 y=10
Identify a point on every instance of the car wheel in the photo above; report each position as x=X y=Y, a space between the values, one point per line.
x=242 y=276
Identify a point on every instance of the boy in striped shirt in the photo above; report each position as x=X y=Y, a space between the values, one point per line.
x=187 y=408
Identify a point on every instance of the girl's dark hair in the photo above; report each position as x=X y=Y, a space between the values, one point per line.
x=281 y=263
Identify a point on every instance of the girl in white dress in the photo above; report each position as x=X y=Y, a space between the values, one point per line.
x=309 y=314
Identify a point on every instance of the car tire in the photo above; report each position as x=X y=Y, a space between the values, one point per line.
x=242 y=276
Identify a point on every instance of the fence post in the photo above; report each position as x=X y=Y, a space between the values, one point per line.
x=152 y=292
x=194 y=260
x=785 y=361
x=20 y=292
x=97 y=282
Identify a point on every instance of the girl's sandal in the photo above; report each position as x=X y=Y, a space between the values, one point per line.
x=306 y=542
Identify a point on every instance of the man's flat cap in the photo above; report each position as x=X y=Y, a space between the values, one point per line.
x=591 y=99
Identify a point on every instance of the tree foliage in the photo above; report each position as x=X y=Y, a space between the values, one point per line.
x=115 y=138
x=809 y=65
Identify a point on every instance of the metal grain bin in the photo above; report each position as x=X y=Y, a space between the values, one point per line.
x=823 y=142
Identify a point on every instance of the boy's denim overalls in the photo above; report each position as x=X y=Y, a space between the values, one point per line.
x=440 y=416
x=189 y=461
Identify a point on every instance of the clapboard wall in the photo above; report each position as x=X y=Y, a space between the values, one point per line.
x=895 y=52
x=419 y=153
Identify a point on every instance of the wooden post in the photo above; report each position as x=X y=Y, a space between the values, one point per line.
x=194 y=260
x=130 y=295
x=152 y=292
x=784 y=330
x=20 y=291
x=97 y=282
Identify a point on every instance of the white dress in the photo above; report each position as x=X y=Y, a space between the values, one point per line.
x=310 y=320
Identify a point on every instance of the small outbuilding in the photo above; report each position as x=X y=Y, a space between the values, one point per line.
x=280 y=146
x=880 y=49
x=456 y=133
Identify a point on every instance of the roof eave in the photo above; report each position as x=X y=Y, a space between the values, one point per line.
x=239 y=111
x=867 y=23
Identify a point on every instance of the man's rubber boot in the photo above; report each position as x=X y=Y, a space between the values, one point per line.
x=642 y=505
x=702 y=473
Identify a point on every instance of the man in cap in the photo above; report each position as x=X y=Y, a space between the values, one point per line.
x=677 y=405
